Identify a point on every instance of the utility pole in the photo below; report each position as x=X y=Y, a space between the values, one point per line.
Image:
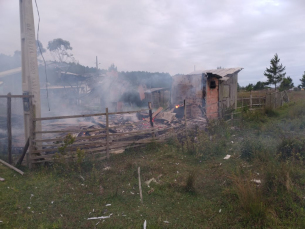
x=96 y=64
x=30 y=77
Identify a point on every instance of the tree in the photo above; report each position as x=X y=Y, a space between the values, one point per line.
x=59 y=49
x=249 y=87
x=259 y=86
x=42 y=49
x=286 y=84
x=276 y=72
x=303 y=80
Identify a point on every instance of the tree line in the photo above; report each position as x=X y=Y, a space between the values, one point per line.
x=276 y=76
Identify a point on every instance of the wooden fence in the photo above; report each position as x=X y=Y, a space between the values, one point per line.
x=270 y=100
x=100 y=143
x=9 y=97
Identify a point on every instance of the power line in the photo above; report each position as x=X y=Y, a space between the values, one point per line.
x=45 y=65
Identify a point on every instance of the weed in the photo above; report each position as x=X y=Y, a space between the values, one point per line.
x=270 y=112
x=190 y=182
x=250 y=147
x=291 y=148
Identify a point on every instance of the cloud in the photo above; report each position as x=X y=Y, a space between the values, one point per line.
x=171 y=36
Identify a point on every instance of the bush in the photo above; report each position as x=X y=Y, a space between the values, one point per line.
x=270 y=112
x=190 y=183
x=291 y=148
x=250 y=148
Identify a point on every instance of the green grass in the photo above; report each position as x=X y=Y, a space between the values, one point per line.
x=196 y=187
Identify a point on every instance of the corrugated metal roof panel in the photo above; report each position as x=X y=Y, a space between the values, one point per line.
x=220 y=72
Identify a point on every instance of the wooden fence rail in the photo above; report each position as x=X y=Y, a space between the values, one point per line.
x=43 y=149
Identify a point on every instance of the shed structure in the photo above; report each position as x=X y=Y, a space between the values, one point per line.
x=208 y=93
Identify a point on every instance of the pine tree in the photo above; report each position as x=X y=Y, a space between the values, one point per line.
x=303 y=80
x=286 y=84
x=276 y=72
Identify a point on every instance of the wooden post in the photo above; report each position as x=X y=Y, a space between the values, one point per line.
x=151 y=119
x=140 y=186
x=23 y=153
x=9 y=127
x=242 y=102
x=150 y=115
x=107 y=133
x=259 y=98
x=250 y=99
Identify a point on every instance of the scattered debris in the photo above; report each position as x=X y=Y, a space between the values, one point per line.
x=144 y=225
x=101 y=217
x=107 y=205
x=52 y=202
x=165 y=221
x=256 y=181
x=227 y=157
x=149 y=181
x=31 y=196
x=2 y=179
x=106 y=168
x=219 y=210
x=132 y=193
x=150 y=191
x=82 y=177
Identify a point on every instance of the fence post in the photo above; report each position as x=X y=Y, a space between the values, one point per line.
x=250 y=99
x=242 y=102
x=107 y=133
x=259 y=98
x=151 y=119
x=9 y=127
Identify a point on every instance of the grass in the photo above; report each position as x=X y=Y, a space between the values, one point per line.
x=260 y=186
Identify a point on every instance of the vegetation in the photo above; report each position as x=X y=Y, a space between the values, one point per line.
x=59 y=50
x=276 y=72
x=303 y=81
x=286 y=84
x=260 y=186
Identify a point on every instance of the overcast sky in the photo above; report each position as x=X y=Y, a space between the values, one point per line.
x=170 y=35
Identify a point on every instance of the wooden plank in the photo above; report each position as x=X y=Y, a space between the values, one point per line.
x=70 y=131
x=12 y=167
x=9 y=128
x=61 y=139
x=16 y=96
x=87 y=115
x=23 y=152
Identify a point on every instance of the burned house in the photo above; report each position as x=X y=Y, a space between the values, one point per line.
x=159 y=97
x=207 y=93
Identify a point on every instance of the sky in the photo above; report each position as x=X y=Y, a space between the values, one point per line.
x=170 y=35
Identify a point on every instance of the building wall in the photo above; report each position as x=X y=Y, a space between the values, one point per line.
x=212 y=97
x=190 y=89
x=228 y=93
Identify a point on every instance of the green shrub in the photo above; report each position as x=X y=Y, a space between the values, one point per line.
x=190 y=183
x=250 y=148
x=271 y=112
x=291 y=148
